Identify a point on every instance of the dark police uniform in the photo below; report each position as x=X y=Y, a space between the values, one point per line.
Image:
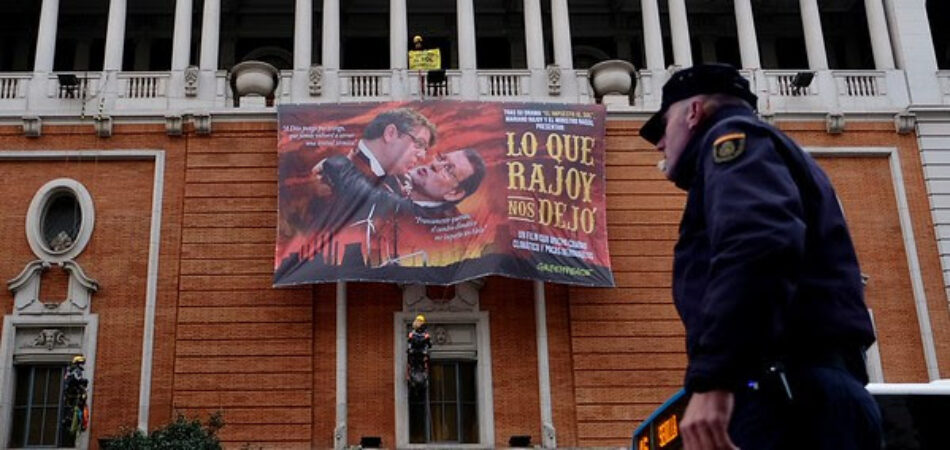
x=767 y=282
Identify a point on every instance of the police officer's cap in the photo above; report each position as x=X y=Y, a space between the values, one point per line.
x=692 y=81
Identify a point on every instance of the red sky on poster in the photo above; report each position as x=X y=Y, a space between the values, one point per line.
x=538 y=212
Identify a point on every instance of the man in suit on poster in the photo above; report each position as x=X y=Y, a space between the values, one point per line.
x=395 y=141
x=392 y=143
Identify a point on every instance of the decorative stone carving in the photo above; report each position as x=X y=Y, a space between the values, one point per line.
x=103 y=125
x=254 y=77
x=51 y=337
x=32 y=126
x=174 y=125
x=202 y=122
x=834 y=123
x=768 y=118
x=614 y=76
x=554 y=79
x=465 y=300
x=904 y=123
x=26 y=289
x=315 y=75
x=441 y=336
x=191 y=81
x=61 y=242
x=56 y=338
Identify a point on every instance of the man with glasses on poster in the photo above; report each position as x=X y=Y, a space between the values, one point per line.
x=395 y=141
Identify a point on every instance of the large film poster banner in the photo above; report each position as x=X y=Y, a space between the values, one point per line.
x=439 y=192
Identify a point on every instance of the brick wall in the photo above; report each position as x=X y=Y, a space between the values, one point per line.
x=225 y=340
x=116 y=256
x=242 y=347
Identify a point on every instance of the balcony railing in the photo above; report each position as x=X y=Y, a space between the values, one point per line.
x=507 y=84
x=431 y=87
x=151 y=93
x=781 y=84
x=860 y=83
x=137 y=85
x=365 y=85
x=88 y=85
x=13 y=86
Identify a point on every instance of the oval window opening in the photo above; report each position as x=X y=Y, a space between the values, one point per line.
x=61 y=221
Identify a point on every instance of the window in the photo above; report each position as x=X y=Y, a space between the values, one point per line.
x=61 y=221
x=456 y=408
x=38 y=409
x=448 y=411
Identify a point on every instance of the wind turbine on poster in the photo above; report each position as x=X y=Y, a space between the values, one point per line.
x=370 y=229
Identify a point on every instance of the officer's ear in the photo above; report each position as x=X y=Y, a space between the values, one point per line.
x=695 y=112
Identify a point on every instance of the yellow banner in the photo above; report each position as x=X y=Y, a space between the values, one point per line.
x=425 y=59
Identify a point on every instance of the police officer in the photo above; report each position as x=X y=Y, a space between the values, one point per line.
x=765 y=279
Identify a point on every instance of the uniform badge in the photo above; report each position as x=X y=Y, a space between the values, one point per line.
x=728 y=147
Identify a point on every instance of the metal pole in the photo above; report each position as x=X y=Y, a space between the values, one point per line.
x=548 y=433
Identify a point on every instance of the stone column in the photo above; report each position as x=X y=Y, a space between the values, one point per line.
x=115 y=36
x=748 y=41
x=465 y=16
x=208 y=59
x=561 y=30
x=181 y=41
x=563 y=54
x=46 y=37
x=399 y=48
x=652 y=37
x=331 y=49
x=181 y=50
x=679 y=27
x=303 y=48
x=814 y=39
x=880 y=41
x=534 y=46
x=914 y=50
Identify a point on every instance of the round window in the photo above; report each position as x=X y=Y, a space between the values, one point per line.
x=62 y=219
